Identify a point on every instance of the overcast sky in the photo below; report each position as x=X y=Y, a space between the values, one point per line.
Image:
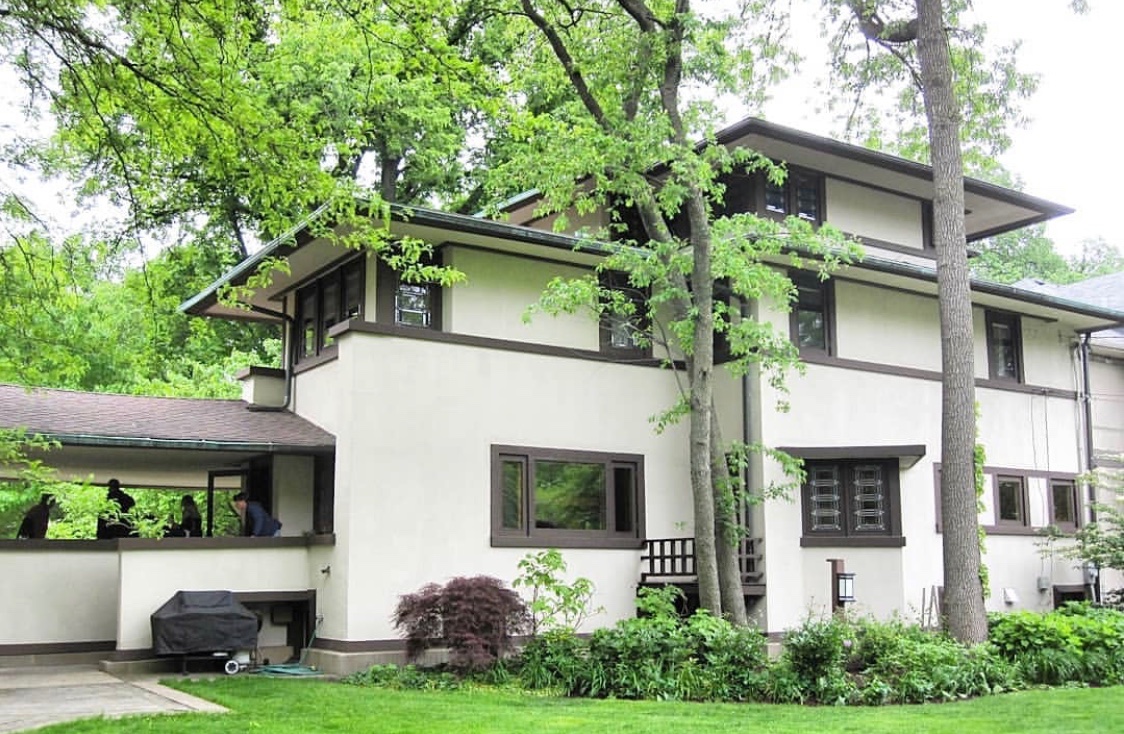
x=1072 y=144
x=1066 y=154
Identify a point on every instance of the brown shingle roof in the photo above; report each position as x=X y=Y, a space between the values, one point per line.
x=74 y=417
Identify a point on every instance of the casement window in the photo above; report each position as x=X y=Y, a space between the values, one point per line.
x=625 y=335
x=576 y=499
x=330 y=299
x=800 y=195
x=851 y=503
x=403 y=302
x=1011 y=501
x=1063 y=504
x=1004 y=346
x=811 y=321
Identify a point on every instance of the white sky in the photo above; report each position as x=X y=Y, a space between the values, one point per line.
x=1070 y=151
x=1072 y=148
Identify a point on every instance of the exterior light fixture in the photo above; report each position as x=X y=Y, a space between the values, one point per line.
x=845 y=587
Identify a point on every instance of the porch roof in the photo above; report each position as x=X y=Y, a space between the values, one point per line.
x=103 y=419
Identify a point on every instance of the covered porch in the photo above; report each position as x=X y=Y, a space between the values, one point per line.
x=85 y=598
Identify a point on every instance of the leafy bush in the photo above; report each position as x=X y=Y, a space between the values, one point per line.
x=655 y=656
x=554 y=604
x=475 y=617
x=1078 y=643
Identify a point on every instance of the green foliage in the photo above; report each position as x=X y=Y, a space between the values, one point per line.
x=657 y=655
x=1077 y=643
x=475 y=617
x=404 y=678
x=1101 y=542
x=554 y=606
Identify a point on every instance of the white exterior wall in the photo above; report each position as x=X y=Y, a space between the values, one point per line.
x=413 y=491
x=834 y=406
x=868 y=212
x=292 y=494
x=148 y=578
x=1106 y=375
x=500 y=288
x=58 y=594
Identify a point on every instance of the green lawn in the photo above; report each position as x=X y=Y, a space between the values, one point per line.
x=282 y=706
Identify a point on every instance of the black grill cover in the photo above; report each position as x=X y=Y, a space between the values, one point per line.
x=203 y=621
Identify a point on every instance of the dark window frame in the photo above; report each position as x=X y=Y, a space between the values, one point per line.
x=1014 y=325
x=617 y=280
x=1022 y=499
x=386 y=306
x=1071 y=488
x=804 y=279
x=850 y=533
x=348 y=281
x=531 y=536
x=755 y=201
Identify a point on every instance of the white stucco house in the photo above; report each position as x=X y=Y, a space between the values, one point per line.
x=430 y=426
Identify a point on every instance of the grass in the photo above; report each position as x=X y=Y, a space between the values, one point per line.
x=283 y=706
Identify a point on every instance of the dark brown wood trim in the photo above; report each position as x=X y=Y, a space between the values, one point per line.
x=258 y=371
x=328 y=355
x=855 y=452
x=320 y=272
x=559 y=540
x=354 y=646
x=487 y=342
x=893 y=247
x=1013 y=529
x=1029 y=473
x=57 y=648
x=260 y=597
x=836 y=541
x=1007 y=471
x=224 y=543
x=931 y=375
x=139 y=653
x=927 y=240
x=53 y=546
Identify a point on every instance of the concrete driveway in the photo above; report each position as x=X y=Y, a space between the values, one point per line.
x=35 y=697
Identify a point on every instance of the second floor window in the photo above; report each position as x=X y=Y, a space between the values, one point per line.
x=1004 y=346
x=625 y=335
x=333 y=297
x=403 y=302
x=810 y=322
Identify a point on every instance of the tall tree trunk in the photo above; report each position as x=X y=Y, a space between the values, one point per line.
x=726 y=531
x=963 y=593
x=702 y=439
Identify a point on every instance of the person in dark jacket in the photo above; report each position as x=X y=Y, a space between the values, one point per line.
x=190 y=519
x=255 y=520
x=36 y=520
x=116 y=525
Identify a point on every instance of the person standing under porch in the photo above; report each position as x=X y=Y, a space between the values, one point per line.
x=255 y=520
x=36 y=520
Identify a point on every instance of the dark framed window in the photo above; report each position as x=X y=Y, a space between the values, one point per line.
x=409 y=303
x=811 y=321
x=1011 y=501
x=625 y=335
x=331 y=298
x=851 y=503
x=1004 y=346
x=1063 y=504
x=801 y=195
x=557 y=497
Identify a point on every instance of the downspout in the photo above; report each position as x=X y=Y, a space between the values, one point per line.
x=1090 y=460
x=747 y=429
x=288 y=328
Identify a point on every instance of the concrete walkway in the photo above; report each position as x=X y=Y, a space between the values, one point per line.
x=35 y=697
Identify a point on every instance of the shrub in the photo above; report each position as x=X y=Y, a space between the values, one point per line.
x=1078 y=643
x=554 y=604
x=474 y=617
x=404 y=678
